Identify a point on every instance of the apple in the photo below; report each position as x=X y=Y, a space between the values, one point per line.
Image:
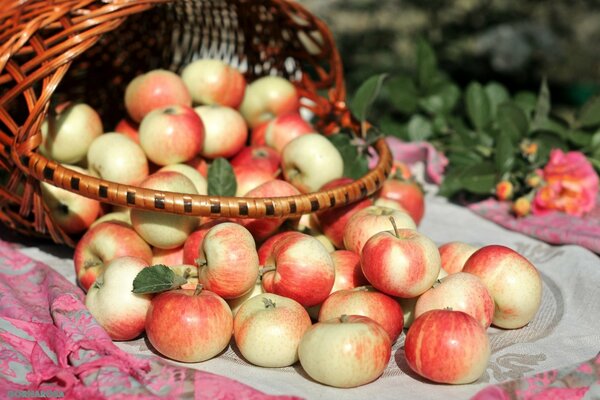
x=70 y=211
x=66 y=137
x=260 y=157
x=103 y=243
x=129 y=128
x=225 y=131
x=447 y=347
x=514 y=283
x=345 y=352
x=334 y=220
x=237 y=302
x=283 y=129
x=367 y=301
x=268 y=97
x=192 y=246
x=199 y=181
x=171 y=134
x=167 y=257
x=189 y=325
x=266 y=248
x=212 y=81
x=454 y=255
x=199 y=164
x=408 y=193
x=401 y=263
x=459 y=292
x=371 y=220
x=262 y=228
x=309 y=161
x=160 y=229
x=117 y=158
x=348 y=272
x=299 y=267
x=268 y=328
x=155 y=89
x=249 y=177
x=117 y=215
x=113 y=304
x=228 y=265
x=187 y=271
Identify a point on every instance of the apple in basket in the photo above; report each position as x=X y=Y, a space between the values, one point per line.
x=281 y=130
x=345 y=352
x=225 y=131
x=371 y=220
x=268 y=97
x=113 y=304
x=212 y=81
x=401 y=262
x=228 y=262
x=268 y=328
x=66 y=137
x=260 y=157
x=299 y=267
x=72 y=212
x=249 y=177
x=367 y=301
x=103 y=243
x=171 y=134
x=191 y=173
x=154 y=89
x=161 y=229
x=117 y=158
x=309 y=161
x=447 y=346
x=189 y=325
x=514 y=283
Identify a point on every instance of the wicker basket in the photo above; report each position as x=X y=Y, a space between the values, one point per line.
x=54 y=50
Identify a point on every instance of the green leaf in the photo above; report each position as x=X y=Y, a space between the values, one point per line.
x=392 y=127
x=477 y=179
x=496 y=94
x=526 y=101
x=221 y=178
x=443 y=99
x=542 y=106
x=589 y=114
x=403 y=94
x=505 y=154
x=553 y=126
x=365 y=96
x=478 y=106
x=512 y=121
x=580 y=138
x=156 y=279
x=426 y=64
x=419 y=128
x=355 y=164
x=546 y=141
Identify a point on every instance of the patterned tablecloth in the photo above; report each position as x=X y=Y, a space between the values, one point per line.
x=555 y=356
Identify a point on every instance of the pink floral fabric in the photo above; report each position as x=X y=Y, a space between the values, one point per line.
x=571 y=383
x=50 y=342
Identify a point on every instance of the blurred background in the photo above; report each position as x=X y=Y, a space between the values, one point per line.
x=515 y=42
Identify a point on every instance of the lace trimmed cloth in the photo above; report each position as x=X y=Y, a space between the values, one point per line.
x=50 y=343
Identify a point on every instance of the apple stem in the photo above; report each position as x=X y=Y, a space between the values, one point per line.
x=90 y=264
x=199 y=288
x=393 y=221
x=266 y=269
x=343 y=318
x=268 y=303
x=200 y=262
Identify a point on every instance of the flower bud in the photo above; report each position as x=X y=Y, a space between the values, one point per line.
x=533 y=180
x=504 y=190
x=522 y=206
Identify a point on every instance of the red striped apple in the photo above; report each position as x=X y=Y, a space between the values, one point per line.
x=460 y=292
x=113 y=304
x=154 y=89
x=514 y=283
x=228 y=265
x=104 y=243
x=407 y=193
x=189 y=325
x=283 y=129
x=211 y=81
x=401 y=263
x=454 y=255
x=301 y=268
x=447 y=347
x=345 y=352
x=268 y=328
x=260 y=157
x=367 y=301
x=268 y=97
x=225 y=131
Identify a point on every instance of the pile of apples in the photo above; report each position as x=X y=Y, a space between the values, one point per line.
x=333 y=290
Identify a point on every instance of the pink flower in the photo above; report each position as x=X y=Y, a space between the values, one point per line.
x=571 y=185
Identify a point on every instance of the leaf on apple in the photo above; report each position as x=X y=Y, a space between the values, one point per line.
x=156 y=279
x=221 y=178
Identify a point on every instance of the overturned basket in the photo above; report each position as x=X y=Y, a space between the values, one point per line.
x=88 y=50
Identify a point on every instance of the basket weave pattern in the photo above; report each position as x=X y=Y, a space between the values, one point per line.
x=85 y=50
